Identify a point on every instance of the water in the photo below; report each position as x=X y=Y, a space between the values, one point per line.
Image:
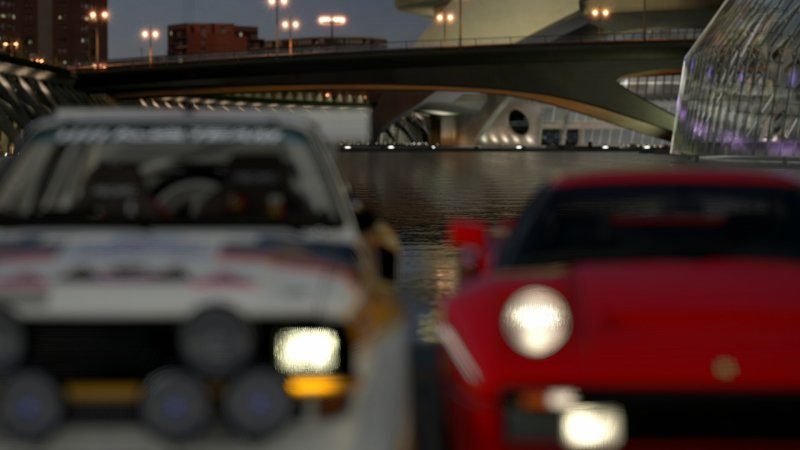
x=418 y=193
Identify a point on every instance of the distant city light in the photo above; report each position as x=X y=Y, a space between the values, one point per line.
x=336 y=20
x=147 y=34
x=390 y=147
x=647 y=147
x=605 y=147
x=290 y=24
x=519 y=147
x=442 y=18
x=595 y=12
x=274 y=3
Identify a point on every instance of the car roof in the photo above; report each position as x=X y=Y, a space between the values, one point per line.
x=130 y=115
x=682 y=177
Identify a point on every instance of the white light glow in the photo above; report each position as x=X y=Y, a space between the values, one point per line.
x=336 y=20
x=390 y=147
x=587 y=425
x=536 y=321
x=605 y=147
x=307 y=350
x=557 y=399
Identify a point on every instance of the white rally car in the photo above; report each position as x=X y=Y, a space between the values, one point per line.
x=191 y=280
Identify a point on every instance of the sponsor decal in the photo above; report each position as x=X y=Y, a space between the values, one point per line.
x=169 y=134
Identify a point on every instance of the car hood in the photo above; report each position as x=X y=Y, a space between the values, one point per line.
x=163 y=274
x=708 y=324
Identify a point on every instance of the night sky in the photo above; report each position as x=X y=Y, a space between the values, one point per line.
x=371 y=18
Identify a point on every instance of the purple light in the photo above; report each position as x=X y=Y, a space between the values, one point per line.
x=782 y=147
x=794 y=78
x=741 y=77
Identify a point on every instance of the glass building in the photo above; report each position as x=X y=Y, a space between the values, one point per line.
x=739 y=92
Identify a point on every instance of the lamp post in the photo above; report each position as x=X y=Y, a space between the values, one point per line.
x=291 y=26
x=644 y=20
x=332 y=21
x=150 y=35
x=277 y=5
x=445 y=19
x=460 y=22
x=98 y=17
x=11 y=47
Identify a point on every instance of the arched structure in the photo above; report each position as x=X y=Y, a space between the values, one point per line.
x=580 y=77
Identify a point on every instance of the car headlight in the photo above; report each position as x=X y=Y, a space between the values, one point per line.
x=592 y=426
x=536 y=321
x=307 y=350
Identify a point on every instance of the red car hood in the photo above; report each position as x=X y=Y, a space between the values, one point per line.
x=701 y=323
x=706 y=324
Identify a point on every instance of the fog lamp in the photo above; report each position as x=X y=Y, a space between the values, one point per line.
x=216 y=343
x=593 y=426
x=307 y=350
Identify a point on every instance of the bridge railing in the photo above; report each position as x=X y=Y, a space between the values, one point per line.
x=689 y=34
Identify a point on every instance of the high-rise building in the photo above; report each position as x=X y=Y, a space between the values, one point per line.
x=18 y=26
x=199 y=38
x=67 y=35
x=58 y=30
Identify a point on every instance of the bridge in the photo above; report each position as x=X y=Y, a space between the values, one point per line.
x=581 y=76
x=29 y=90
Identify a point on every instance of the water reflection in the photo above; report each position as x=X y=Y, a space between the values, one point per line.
x=419 y=192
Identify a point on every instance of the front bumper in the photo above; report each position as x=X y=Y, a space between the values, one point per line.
x=377 y=414
x=519 y=420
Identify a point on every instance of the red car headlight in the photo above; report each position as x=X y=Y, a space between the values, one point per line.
x=536 y=321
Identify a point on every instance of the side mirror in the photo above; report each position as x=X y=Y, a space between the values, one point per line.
x=476 y=242
x=471 y=239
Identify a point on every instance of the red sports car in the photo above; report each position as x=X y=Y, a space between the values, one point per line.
x=640 y=310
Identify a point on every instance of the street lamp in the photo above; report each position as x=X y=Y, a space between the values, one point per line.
x=332 y=21
x=277 y=5
x=291 y=26
x=98 y=17
x=460 y=22
x=600 y=13
x=445 y=19
x=11 y=47
x=150 y=35
x=644 y=20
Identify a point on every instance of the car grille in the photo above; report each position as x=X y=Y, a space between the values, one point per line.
x=101 y=351
x=699 y=416
x=71 y=351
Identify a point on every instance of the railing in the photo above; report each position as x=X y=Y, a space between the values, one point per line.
x=652 y=36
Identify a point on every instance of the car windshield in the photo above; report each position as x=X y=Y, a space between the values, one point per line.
x=661 y=221
x=183 y=174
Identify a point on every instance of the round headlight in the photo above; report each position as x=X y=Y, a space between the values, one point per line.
x=536 y=321
x=216 y=343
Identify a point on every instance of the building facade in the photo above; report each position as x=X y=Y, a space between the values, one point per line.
x=740 y=91
x=57 y=30
x=202 y=38
x=468 y=119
